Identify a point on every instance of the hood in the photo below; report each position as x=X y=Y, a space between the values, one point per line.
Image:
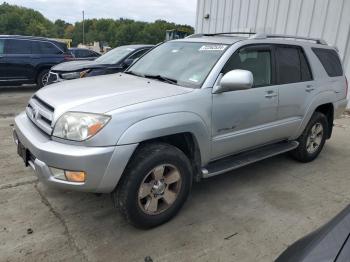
x=77 y=66
x=102 y=94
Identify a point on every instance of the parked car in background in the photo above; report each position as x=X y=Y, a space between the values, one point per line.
x=116 y=60
x=84 y=53
x=27 y=59
x=328 y=243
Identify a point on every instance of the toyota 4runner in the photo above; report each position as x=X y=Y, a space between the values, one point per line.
x=188 y=110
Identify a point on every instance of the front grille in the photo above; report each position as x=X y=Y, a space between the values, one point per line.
x=41 y=113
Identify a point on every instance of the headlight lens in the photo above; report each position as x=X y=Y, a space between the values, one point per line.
x=79 y=126
x=69 y=76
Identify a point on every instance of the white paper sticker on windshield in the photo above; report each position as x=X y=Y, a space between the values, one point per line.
x=212 y=48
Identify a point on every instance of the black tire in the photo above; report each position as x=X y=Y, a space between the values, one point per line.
x=40 y=80
x=301 y=153
x=147 y=157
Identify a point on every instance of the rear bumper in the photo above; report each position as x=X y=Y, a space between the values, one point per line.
x=103 y=165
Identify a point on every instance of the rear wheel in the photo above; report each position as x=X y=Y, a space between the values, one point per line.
x=155 y=185
x=312 y=140
x=42 y=78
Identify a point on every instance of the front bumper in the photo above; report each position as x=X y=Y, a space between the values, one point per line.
x=103 y=165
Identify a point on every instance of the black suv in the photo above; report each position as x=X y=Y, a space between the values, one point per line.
x=27 y=60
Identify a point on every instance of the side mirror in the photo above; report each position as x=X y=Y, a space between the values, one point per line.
x=235 y=80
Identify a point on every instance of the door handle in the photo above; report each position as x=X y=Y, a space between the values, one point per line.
x=309 y=88
x=270 y=94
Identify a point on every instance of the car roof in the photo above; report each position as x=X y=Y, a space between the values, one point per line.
x=29 y=38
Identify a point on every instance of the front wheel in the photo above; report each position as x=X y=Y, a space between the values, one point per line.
x=42 y=78
x=155 y=185
x=312 y=139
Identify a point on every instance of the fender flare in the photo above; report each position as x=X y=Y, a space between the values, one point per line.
x=322 y=98
x=170 y=124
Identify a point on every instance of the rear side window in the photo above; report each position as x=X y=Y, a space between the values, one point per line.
x=330 y=61
x=47 y=48
x=292 y=65
x=14 y=46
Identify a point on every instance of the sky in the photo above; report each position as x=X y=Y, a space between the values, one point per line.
x=178 y=11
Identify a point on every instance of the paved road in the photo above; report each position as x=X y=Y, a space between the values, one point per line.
x=248 y=215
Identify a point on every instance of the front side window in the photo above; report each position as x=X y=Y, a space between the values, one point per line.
x=186 y=63
x=16 y=46
x=257 y=61
x=138 y=54
x=114 y=56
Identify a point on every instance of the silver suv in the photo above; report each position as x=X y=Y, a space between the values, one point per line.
x=188 y=110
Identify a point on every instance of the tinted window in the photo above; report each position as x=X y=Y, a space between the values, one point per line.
x=256 y=61
x=288 y=65
x=14 y=46
x=138 y=54
x=39 y=47
x=2 y=45
x=330 y=61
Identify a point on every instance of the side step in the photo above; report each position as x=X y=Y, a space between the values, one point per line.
x=236 y=161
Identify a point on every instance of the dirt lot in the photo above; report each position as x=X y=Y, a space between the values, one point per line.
x=248 y=215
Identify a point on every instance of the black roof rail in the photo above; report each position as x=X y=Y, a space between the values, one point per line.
x=222 y=33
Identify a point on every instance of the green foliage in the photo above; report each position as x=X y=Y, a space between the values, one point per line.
x=24 y=21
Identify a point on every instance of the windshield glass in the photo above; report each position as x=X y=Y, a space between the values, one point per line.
x=114 y=56
x=186 y=63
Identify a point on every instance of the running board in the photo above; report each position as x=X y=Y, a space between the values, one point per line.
x=236 y=161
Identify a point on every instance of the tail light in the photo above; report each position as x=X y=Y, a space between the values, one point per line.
x=68 y=57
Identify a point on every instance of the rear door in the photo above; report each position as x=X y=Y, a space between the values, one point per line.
x=17 y=59
x=296 y=87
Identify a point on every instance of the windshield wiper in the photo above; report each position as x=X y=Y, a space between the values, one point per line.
x=162 y=78
x=133 y=73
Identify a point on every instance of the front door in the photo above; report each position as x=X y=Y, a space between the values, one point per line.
x=244 y=119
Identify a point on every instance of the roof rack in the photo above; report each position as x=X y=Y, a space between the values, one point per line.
x=223 y=33
x=254 y=35
x=263 y=36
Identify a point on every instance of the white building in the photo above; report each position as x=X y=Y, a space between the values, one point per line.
x=326 y=19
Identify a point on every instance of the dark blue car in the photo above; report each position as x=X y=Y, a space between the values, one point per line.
x=27 y=60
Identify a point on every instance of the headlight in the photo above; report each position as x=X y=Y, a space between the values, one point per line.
x=69 y=76
x=74 y=75
x=79 y=126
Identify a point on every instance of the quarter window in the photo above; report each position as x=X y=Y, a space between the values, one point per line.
x=330 y=61
x=256 y=61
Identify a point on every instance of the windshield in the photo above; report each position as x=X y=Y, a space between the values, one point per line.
x=185 y=63
x=115 y=55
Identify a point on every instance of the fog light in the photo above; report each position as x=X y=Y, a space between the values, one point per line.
x=58 y=173
x=72 y=176
x=75 y=176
